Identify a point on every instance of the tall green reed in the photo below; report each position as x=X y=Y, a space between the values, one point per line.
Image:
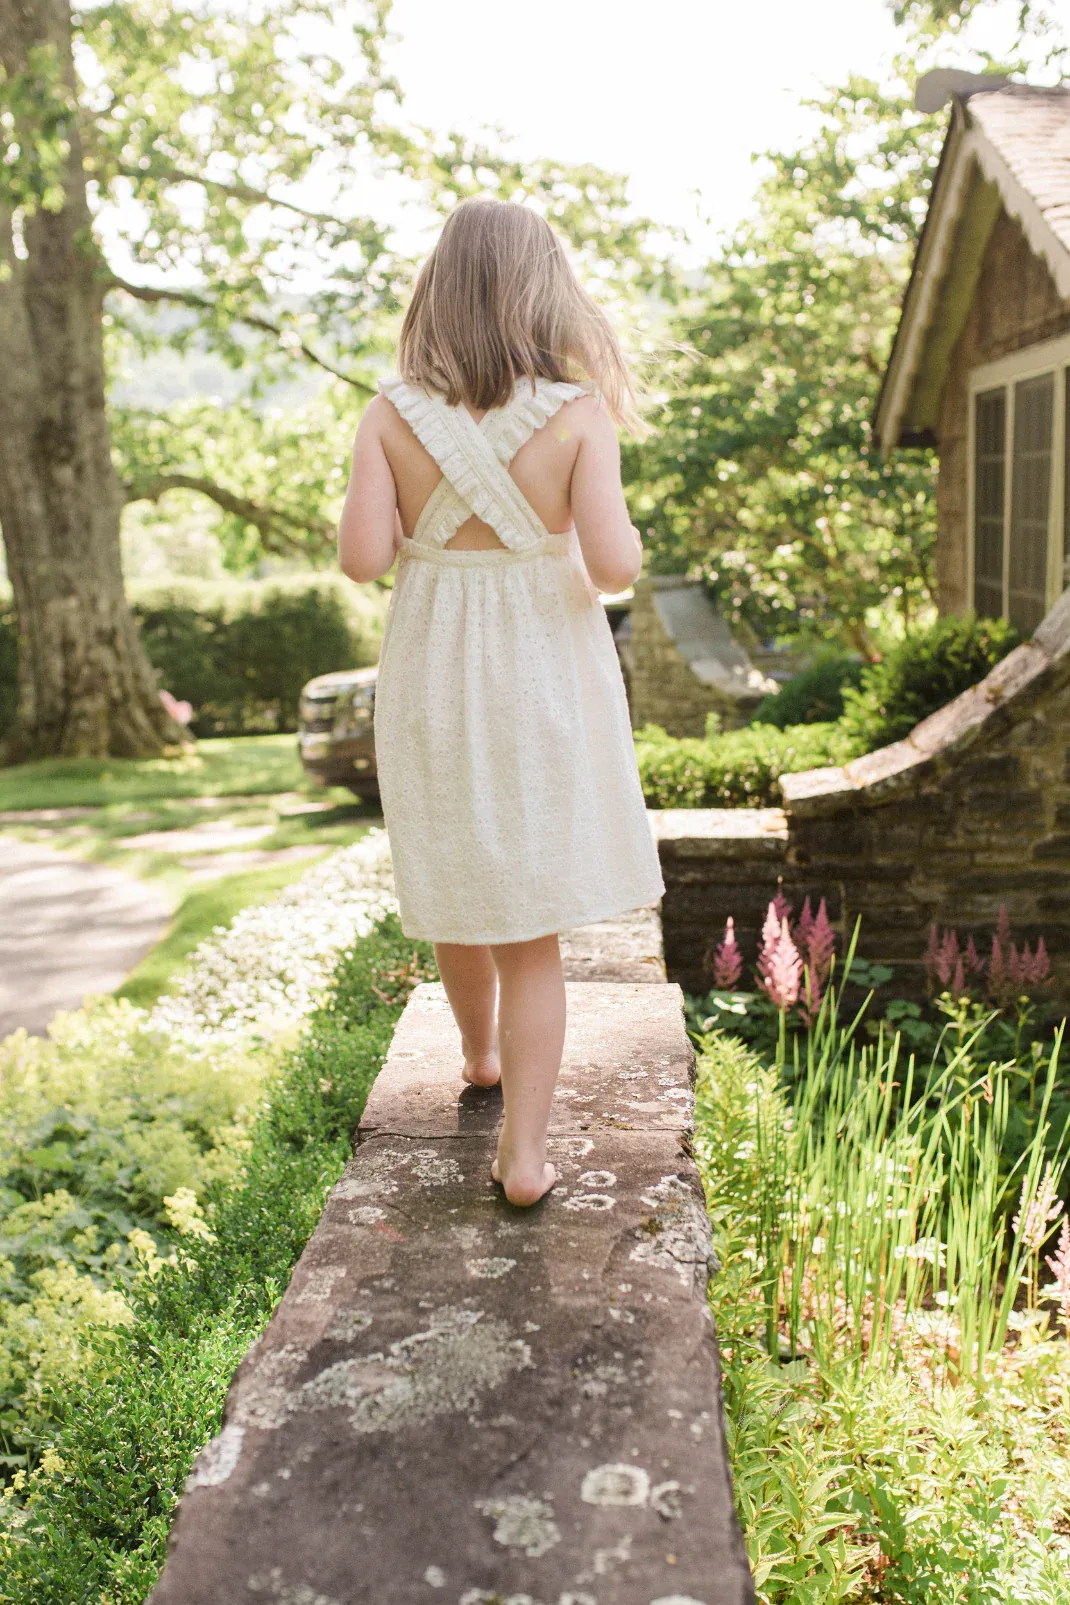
x=885 y=1195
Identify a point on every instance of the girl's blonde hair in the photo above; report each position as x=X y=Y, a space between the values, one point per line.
x=497 y=301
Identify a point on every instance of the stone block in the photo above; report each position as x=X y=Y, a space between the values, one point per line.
x=457 y=1400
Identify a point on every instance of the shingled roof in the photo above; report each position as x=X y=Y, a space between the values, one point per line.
x=1007 y=147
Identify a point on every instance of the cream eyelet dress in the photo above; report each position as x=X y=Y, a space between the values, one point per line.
x=506 y=765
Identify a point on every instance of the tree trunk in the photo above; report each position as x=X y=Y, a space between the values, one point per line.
x=86 y=688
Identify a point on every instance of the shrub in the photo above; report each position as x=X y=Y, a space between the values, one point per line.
x=242 y=660
x=813 y=697
x=924 y=672
x=239 y=652
x=737 y=770
x=93 y=1522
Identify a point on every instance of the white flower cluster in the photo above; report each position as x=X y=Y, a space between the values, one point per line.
x=268 y=968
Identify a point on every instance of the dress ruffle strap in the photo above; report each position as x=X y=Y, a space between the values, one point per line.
x=474 y=458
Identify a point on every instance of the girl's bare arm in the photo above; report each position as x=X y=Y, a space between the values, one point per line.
x=610 y=545
x=368 y=527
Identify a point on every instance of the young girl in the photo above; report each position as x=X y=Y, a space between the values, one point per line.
x=490 y=469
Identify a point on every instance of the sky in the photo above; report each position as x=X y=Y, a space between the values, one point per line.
x=677 y=94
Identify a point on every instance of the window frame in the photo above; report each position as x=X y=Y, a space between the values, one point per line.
x=1028 y=362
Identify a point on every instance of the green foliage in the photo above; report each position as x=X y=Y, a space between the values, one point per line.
x=98 y=1125
x=926 y=671
x=94 y=1520
x=875 y=1455
x=243 y=665
x=763 y=473
x=739 y=769
x=227 y=767
x=815 y=696
x=742 y=768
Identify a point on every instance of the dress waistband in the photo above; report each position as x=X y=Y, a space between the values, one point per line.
x=549 y=546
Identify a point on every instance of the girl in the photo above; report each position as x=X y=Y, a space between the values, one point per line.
x=490 y=469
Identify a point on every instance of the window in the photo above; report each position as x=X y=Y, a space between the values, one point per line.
x=990 y=474
x=1019 y=483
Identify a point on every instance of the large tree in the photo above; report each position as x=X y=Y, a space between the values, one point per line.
x=206 y=158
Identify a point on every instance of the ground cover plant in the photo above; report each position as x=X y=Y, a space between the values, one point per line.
x=894 y=1299
x=128 y=1384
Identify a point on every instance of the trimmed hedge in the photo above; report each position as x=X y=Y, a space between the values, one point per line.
x=815 y=696
x=926 y=671
x=238 y=652
x=95 y=1524
x=737 y=770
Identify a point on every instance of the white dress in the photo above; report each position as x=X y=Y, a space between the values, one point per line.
x=506 y=765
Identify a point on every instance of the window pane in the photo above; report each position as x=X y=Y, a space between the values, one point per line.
x=1066 y=486
x=989 y=480
x=1034 y=407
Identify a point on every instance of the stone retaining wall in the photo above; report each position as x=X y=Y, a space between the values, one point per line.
x=971 y=811
x=462 y=1402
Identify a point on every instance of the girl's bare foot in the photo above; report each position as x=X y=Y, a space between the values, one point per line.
x=482 y=1069
x=524 y=1188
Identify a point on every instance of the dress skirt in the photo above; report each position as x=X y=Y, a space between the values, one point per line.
x=505 y=756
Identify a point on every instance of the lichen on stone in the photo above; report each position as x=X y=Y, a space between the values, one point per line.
x=598 y=1203
x=489 y=1270
x=615 y=1484
x=676 y=1235
x=597 y=1179
x=523 y=1523
x=274 y=1585
x=668 y=1500
x=461 y=1356
x=217 y=1459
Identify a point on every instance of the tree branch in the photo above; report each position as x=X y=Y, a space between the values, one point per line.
x=276 y=527
x=200 y=303
x=240 y=192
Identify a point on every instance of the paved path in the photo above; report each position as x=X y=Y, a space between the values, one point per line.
x=67 y=928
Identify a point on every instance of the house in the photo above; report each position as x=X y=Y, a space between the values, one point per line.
x=981 y=363
x=681 y=661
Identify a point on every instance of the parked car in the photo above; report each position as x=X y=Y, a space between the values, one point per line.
x=334 y=727
x=334 y=731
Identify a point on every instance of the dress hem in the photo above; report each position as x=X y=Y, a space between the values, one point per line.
x=568 y=924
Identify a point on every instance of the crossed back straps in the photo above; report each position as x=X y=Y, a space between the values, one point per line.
x=474 y=459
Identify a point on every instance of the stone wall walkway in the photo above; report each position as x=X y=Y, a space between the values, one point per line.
x=461 y=1402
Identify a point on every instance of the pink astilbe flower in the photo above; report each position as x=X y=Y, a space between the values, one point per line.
x=958 y=980
x=770 y=932
x=727 y=960
x=781 y=906
x=948 y=958
x=780 y=969
x=975 y=964
x=997 y=971
x=1041 y=964
x=1059 y=1266
x=818 y=947
x=932 y=953
x=1035 y=1216
x=1003 y=928
x=804 y=928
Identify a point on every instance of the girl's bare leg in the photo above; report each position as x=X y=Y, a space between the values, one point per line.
x=471 y=983
x=531 y=1023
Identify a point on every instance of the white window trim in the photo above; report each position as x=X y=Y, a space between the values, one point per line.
x=1048 y=356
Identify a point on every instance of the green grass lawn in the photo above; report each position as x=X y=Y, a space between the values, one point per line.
x=197 y=915
x=230 y=766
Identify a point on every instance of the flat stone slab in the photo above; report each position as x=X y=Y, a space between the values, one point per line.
x=628 y=948
x=68 y=928
x=465 y=1403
